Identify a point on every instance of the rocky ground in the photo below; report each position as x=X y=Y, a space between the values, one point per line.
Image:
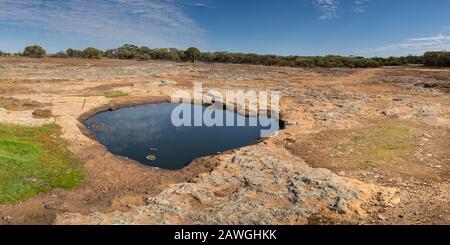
x=365 y=146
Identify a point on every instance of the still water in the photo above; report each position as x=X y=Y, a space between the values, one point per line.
x=146 y=134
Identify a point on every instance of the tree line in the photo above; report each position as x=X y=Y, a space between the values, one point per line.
x=437 y=59
x=129 y=51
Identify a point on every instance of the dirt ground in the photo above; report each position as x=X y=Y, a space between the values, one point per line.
x=386 y=127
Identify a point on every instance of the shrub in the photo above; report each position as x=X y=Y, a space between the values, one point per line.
x=127 y=51
x=60 y=54
x=3 y=54
x=110 y=53
x=304 y=62
x=34 y=51
x=74 y=53
x=92 y=53
x=42 y=113
x=437 y=58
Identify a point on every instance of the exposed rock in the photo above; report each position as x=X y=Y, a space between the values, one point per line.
x=250 y=186
x=381 y=217
x=429 y=84
x=168 y=82
x=158 y=84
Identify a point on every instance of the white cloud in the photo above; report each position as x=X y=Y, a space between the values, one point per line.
x=150 y=22
x=416 y=45
x=360 y=6
x=328 y=8
x=439 y=38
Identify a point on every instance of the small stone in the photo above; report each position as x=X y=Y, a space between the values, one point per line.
x=386 y=113
x=290 y=140
x=381 y=217
x=396 y=200
x=151 y=157
x=429 y=84
x=6 y=217
x=427 y=136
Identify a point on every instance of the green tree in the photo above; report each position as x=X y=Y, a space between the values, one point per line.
x=34 y=51
x=110 y=53
x=305 y=62
x=74 y=53
x=92 y=53
x=173 y=56
x=128 y=51
x=437 y=58
x=193 y=54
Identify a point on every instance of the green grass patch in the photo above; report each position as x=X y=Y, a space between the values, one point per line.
x=374 y=146
x=109 y=95
x=33 y=161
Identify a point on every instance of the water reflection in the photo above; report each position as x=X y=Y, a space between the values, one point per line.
x=147 y=135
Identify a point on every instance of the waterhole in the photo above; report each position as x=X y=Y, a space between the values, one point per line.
x=146 y=134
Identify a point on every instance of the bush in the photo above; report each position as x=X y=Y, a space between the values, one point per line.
x=3 y=54
x=74 y=53
x=42 y=113
x=60 y=54
x=34 y=51
x=127 y=51
x=92 y=53
x=437 y=59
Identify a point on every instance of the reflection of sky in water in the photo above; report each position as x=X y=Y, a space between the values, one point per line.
x=132 y=132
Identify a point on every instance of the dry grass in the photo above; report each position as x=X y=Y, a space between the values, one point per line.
x=17 y=105
x=42 y=113
x=384 y=147
x=109 y=95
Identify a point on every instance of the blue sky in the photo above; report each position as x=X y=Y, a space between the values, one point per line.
x=297 y=27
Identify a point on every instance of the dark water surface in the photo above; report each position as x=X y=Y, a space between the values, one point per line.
x=146 y=134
